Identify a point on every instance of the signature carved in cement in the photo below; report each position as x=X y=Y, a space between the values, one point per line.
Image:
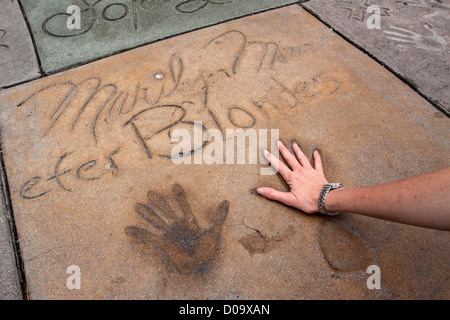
x=54 y=25
x=182 y=99
x=97 y=11
x=192 y=6
x=39 y=186
x=112 y=102
x=357 y=9
x=185 y=243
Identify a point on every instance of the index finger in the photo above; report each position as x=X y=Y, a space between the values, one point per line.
x=277 y=165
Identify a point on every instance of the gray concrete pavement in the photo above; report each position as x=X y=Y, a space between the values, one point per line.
x=412 y=39
x=9 y=280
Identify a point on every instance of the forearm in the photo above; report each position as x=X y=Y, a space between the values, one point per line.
x=421 y=201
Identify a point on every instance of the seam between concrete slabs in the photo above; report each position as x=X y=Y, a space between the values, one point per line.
x=45 y=74
x=32 y=40
x=384 y=65
x=20 y=269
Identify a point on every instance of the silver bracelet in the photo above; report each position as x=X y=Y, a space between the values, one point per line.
x=323 y=195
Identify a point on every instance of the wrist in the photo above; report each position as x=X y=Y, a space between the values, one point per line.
x=326 y=189
x=333 y=200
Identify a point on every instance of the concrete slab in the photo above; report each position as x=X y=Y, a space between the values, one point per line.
x=88 y=157
x=413 y=38
x=9 y=279
x=111 y=26
x=18 y=61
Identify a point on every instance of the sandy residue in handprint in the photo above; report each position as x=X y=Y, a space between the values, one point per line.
x=187 y=246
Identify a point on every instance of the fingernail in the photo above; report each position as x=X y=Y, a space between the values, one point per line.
x=266 y=154
x=260 y=191
x=279 y=143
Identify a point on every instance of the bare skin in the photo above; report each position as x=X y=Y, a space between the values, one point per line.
x=422 y=201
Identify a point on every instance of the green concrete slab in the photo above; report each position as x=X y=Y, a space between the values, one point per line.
x=111 y=26
x=412 y=39
x=86 y=154
x=9 y=279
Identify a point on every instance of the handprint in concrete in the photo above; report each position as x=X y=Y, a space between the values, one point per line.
x=407 y=38
x=186 y=244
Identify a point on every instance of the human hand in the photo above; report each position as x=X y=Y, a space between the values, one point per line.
x=305 y=182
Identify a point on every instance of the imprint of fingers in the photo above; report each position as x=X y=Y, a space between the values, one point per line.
x=186 y=244
x=294 y=162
